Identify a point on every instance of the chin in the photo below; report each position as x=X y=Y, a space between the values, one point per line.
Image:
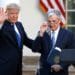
x=14 y=21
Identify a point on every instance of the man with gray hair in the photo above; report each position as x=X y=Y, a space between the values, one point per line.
x=53 y=37
x=54 y=11
x=12 y=39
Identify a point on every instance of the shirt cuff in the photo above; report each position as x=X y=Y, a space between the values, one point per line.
x=1 y=26
x=58 y=49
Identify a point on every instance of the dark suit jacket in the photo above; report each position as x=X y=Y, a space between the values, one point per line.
x=65 y=40
x=10 y=52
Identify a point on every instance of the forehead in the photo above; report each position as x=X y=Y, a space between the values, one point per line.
x=12 y=11
x=53 y=16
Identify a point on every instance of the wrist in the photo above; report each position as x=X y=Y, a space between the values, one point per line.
x=40 y=33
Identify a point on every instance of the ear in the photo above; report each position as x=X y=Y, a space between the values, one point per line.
x=59 y=21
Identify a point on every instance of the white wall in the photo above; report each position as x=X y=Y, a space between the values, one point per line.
x=32 y=18
x=4 y=3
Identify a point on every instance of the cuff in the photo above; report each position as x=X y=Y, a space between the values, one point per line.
x=1 y=26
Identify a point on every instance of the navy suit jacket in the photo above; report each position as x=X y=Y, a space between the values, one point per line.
x=65 y=40
x=10 y=52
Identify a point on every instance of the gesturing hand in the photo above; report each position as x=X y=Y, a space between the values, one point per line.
x=43 y=28
x=3 y=15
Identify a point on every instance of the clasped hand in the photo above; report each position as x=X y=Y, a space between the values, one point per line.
x=56 y=68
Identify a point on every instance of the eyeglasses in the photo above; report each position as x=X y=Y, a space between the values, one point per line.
x=52 y=21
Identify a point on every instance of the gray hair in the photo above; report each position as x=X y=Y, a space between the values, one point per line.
x=13 y=6
x=54 y=11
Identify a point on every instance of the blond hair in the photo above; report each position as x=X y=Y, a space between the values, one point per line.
x=13 y=6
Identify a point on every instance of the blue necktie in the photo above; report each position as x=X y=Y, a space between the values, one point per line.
x=18 y=36
x=53 y=39
x=51 y=53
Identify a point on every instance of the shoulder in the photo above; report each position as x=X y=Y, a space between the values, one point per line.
x=19 y=23
x=66 y=31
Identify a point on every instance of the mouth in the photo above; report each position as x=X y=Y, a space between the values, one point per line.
x=51 y=25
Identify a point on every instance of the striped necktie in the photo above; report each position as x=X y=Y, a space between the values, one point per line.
x=53 y=39
x=18 y=36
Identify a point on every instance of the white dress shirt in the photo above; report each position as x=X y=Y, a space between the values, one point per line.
x=56 y=34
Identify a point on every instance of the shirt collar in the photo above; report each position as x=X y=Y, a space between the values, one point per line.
x=57 y=30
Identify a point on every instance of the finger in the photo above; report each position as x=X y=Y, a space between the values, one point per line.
x=56 y=69
x=44 y=26
x=1 y=11
x=45 y=23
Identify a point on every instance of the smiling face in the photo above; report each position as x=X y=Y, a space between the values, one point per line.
x=13 y=15
x=53 y=22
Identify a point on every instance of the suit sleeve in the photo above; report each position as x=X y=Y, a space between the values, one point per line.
x=71 y=45
x=73 y=41
x=26 y=40
x=37 y=45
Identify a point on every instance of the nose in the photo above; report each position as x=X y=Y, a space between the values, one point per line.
x=14 y=15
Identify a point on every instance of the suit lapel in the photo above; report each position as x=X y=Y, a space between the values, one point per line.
x=47 y=41
x=20 y=31
x=60 y=37
x=13 y=34
x=9 y=32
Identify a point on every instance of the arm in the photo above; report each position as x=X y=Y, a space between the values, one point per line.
x=37 y=44
x=3 y=17
x=27 y=41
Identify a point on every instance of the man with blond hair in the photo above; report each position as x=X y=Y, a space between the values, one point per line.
x=12 y=39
